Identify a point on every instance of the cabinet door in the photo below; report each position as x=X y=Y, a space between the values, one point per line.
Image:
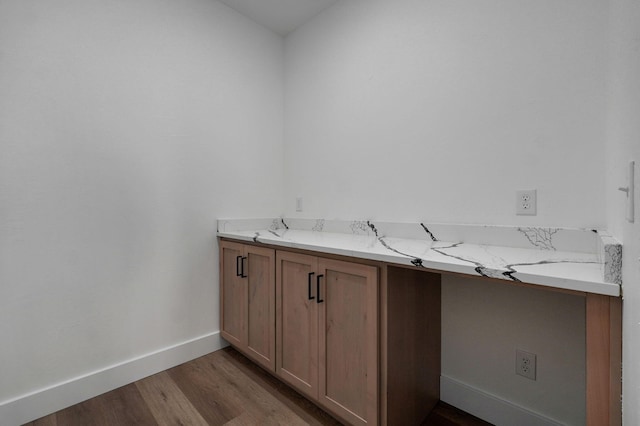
x=348 y=346
x=233 y=294
x=261 y=319
x=297 y=322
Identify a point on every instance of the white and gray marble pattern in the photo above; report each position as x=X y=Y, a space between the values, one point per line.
x=557 y=257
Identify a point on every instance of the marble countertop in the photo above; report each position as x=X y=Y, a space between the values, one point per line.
x=580 y=260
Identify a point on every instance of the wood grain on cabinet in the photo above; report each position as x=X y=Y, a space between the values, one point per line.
x=604 y=360
x=261 y=309
x=410 y=330
x=348 y=346
x=297 y=322
x=327 y=328
x=247 y=292
x=232 y=294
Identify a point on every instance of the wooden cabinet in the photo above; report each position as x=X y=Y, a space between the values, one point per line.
x=335 y=331
x=327 y=333
x=247 y=296
x=364 y=341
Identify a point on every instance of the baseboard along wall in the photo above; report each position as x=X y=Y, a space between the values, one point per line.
x=489 y=407
x=53 y=398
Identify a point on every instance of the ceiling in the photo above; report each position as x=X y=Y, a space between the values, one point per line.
x=281 y=16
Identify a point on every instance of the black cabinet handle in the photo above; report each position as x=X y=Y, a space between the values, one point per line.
x=242 y=275
x=318 y=288
x=238 y=260
x=309 y=285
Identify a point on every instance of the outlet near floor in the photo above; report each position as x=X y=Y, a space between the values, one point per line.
x=526 y=364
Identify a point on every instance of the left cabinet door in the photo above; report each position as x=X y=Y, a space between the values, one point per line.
x=233 y=295
x=247 y=298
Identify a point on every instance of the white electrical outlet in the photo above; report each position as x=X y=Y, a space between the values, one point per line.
x=525 y=364
x=526 y=202
x=298 y=204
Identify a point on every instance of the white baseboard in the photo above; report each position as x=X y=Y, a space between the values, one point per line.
x=48 y=400
x=489 y=407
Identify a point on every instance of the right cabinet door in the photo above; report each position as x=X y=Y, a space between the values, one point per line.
x=348 y=340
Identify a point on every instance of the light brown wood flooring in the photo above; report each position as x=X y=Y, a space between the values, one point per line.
x=222 y=388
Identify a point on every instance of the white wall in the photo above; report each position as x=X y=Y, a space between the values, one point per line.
x=122 y=126
x=483 y=323
x=440 y=111
x=623 y=145
x=126 y=129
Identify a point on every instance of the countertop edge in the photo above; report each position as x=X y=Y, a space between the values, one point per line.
x=595 y=287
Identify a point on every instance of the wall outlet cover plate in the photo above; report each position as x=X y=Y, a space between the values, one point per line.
x=526 y=364
x=526 y=202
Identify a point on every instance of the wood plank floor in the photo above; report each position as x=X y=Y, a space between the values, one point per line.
x=222 y=388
